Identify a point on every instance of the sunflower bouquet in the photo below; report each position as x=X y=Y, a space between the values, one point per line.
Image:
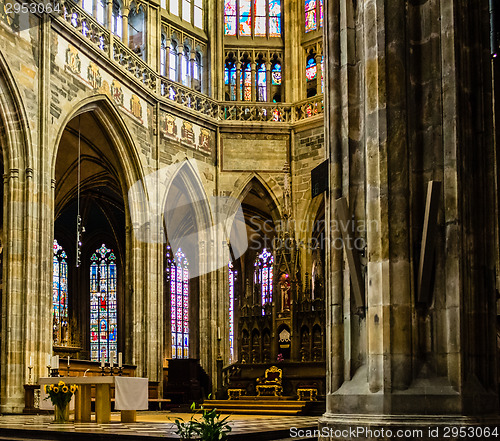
x=60 y=394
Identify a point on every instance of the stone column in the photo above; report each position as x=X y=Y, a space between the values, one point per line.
x=319 y=73
x=168 y=42
x=379 y=356
x=252 y=79
x=192 y=61
x=269 y=82
x=109 y=18
x=125 y=12
x=238 y=81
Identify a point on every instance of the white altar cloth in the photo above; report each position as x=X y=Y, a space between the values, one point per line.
x=131 y=393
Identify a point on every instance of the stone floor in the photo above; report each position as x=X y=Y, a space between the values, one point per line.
x=150 y=425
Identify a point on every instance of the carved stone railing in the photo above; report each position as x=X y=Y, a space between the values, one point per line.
x=110 y=46
x=255 y=112
x=308 y=108
x=126 y=58
x=189 y=98
x=86 y=25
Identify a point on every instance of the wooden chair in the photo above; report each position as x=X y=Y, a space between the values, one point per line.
x=270 y=382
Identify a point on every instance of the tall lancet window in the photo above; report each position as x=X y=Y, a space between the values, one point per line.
x=103 y=318
x=177 y=265
x=59 y=294
x=232 y=276
x=263 y=276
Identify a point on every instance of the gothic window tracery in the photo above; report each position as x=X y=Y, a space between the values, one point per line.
x=232 y=275
x=59 y=293
x=103 y=311
x=189 y=10
x=313 y=15
x=263 y=277
x=257 y=18
x=178 y=276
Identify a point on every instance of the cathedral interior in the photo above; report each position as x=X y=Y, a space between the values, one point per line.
x=291 y=202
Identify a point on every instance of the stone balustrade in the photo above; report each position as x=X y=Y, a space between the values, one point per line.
x=167 y=91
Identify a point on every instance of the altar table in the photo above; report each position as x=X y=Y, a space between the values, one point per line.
x=131 y=394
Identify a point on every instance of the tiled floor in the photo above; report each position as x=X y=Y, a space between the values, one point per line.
x=152 y=424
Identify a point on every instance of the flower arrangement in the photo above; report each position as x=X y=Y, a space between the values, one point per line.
x=280 y=357
x=60 y=395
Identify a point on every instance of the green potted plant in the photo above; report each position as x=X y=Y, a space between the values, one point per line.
x=209 y=428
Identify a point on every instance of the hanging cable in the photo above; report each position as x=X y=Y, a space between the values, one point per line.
x=79 y=228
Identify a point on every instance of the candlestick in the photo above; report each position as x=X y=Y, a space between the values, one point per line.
x=31 y=361
x=68 y=360
x=120 y=359
x=102 y=362
x=218 y=333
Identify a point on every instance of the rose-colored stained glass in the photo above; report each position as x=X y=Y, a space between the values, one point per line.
x=311 y=69
x=310 y=10
x=178 y=274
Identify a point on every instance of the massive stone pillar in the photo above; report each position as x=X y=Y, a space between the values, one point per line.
x=408 y=101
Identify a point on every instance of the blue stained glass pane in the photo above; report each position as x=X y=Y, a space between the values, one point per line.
x=276 y=74
x=59 y=294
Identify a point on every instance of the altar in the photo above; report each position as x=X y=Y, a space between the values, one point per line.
x=131 y=394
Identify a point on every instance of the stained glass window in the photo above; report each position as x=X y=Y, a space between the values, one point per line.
x=252 y=17
x=198 y=13
x=274 y=18
x=261 y=83
x=163 y=57
x=103 y=318
x=178 y=276
x=174 y=7
x=263 y=276
x=186 y=10
x=232 y=274
x=185 y=68
x=260 y=18
x=311 y=69
x=314 y=15
x=230 y=79
x=173 y=62
x=59 y=293
x=230 y=17
x=310 y=15
x=320 y=13
x=246 y=82
x=276 y=74
x=245 y=17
